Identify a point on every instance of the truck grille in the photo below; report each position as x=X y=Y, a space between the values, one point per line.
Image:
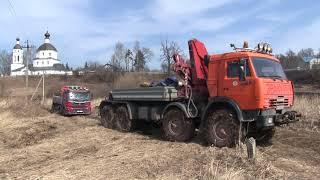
x=279 y=102
x=78 y=104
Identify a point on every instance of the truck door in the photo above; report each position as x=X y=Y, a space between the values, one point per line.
x=240 y=91
x=64 y=97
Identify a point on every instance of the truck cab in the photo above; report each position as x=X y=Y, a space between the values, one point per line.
x=255 y=81
x=72 y=100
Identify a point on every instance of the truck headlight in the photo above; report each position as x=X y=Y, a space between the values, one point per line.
x=270 y=120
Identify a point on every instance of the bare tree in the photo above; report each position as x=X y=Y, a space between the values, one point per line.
x=119 y=56
x=291 y=60
x=308 y=52
x=168 y=49
x=5 y=61
x=164 y=67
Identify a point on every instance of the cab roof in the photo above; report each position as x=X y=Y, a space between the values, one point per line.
x=239 y=54
x=75 y=88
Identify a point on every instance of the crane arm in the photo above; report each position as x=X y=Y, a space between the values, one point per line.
x=198 y=54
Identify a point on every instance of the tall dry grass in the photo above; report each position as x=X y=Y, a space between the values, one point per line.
x=22 y=107
x=309 y=106
x=232 y=164
x=99 y=83
x=132 y=80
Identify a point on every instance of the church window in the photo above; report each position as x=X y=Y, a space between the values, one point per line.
x=18 y=58
x=50 y=54
x=42 y=62
x=37 y=62
x=43 y=53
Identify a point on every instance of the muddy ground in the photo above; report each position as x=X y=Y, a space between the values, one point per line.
x=49 y=146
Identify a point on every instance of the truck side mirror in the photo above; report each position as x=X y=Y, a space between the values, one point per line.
x=206 y=60
x=242 y=69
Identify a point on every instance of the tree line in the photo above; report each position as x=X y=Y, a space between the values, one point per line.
x=136 y=59
x=124 y=59
x=293 y=60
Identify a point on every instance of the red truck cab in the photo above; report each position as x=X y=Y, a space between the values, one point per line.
x=72 y=100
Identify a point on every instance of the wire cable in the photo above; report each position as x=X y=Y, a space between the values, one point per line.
x=12 y=10
x=191 y=102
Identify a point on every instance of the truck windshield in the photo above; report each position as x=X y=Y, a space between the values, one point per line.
x=267 y=68
x=79 y=96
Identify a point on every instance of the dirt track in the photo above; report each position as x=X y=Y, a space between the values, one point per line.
x=55 y=147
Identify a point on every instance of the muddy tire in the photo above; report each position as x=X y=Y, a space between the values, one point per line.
x=265 y=137
x=107 y=116
x=122 y=120
x=60 y=110
x=176 y=126
x=53 y=108
x=222 y=129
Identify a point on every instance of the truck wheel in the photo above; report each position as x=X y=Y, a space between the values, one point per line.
x=122 y=120
x=176 y=126
x=222 y=129
x=60 y=110
x=53 y=108
x=107 y=116
x=265 y=137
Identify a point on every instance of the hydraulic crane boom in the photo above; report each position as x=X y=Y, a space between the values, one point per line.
x=198 y=57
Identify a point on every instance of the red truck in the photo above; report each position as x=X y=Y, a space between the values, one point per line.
x=72 y=100
x=228 y=97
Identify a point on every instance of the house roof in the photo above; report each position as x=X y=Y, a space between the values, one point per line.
x=19 y=69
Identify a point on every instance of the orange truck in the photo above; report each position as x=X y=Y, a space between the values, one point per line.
x=228 y=97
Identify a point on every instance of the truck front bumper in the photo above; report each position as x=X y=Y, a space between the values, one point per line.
x=270 y=118
x=78 y=111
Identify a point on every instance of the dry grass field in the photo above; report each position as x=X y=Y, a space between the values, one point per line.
x=35 y=144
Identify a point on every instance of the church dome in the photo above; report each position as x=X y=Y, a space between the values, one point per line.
x=17 y=46
x=46 y=45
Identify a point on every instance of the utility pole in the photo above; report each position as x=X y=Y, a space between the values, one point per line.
x=43 y=96
x=27 y=64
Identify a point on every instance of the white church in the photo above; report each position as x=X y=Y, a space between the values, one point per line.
x=45 y=62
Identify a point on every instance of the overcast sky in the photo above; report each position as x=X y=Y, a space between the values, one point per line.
x=88 y=29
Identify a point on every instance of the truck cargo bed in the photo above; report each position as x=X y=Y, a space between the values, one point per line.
x=161 y=93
